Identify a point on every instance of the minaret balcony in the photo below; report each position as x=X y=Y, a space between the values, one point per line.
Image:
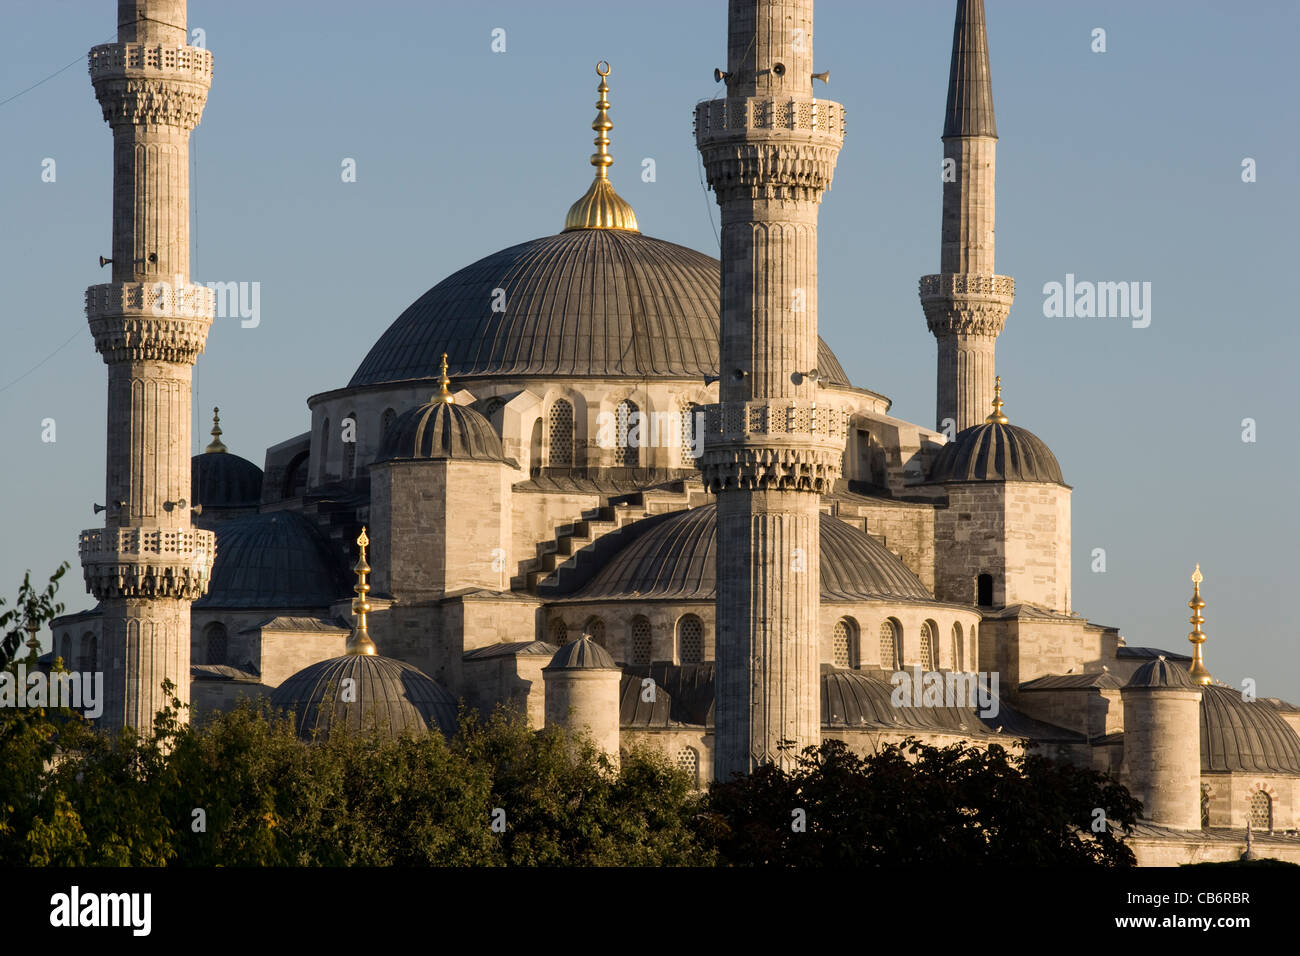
x=147 y=562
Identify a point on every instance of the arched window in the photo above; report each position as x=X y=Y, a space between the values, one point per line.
x=690 y=640
x=561 y=434
x=559 y=631
x=595 y=629
x=1206 y=793
x=295 y=476
x=689 y=436
x=640 y=641
x=891 y=645
x=845 y=640
x=350 y=447
x=956 y=646
x=689 y=760
x=88 y=654
x=984 y=590
x=215 y=644
x=928 y=646
x=324 y=451
x=535 y=449
x=385 y=422
x=627 y=451
x=1261 y=811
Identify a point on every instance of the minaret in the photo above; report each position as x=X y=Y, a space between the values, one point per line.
x=150 y=324
x=770 y=451
x=966 y=304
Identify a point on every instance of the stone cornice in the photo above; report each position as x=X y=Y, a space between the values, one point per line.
x=140 y=321
x=778 y=446
x=143 y=85
x=958 y=303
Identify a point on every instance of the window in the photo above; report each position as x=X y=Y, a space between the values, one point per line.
x=956 y=647
x=535 y=449
x=385 y=422
x=324 y=451
x=689 y=760
x=984 y=590
x=561 y=434
x=627 y=452
x=559 y=632
x=891 y=658
x=1205 y=805
x=640 y=641
x=215 y=644
x=845 y=643
x=1261 y=811
x=688 y=433
x=928 y=646
x=88 y=659
x=690 y=640
x=595 y=629
x=350 y=447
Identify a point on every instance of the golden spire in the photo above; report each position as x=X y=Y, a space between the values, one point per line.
x=359 y=641
x=601 y=207
x=215 y=444
x=996 y=417
x=1200 y=674
x=444 y=393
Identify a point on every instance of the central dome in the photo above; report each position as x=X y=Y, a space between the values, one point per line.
x=588 y=302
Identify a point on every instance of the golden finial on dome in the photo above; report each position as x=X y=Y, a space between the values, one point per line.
x=444 y=393
x=1200 y=674
x=601 y=207
x=215 y=444
x=359 y=641
x=996 y=417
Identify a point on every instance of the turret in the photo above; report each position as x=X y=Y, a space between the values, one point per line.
x=582 y=684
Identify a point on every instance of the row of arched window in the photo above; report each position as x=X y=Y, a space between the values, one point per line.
x=561 y=432
x=349 y=447
x=689 y=638
x=847 y=646
x=84 y=656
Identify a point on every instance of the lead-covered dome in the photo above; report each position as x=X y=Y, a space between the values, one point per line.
x=1239 y=736
x=223 y=480
x=273 y=560
x=441 y=430
x=388 y=697
x=677 y=558
x=587 y=302
x=996 y=452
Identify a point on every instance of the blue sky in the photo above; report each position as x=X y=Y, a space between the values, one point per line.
x=1115 y=166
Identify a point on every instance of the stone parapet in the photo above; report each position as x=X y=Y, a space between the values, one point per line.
x=147 y=562
x=957 y=303
x=778 y=446
x=150 y=321
x=141 y=84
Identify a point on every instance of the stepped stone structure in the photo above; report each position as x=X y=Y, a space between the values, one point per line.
x=966 y=304
x=621 y=486
x=770 y=450
x=150 y=324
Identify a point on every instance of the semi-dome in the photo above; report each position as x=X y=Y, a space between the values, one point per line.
x=440 y=429
x=1160 y=673
x=273 y=560
x=586 y=302
x=1238 y=736
x=995 y=452
x=582 y=654
x=677 y=558
x=389 y=697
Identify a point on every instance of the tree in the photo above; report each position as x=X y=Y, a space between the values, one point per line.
x=912 y=803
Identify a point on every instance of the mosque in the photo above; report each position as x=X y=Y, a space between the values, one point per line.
x=622 y=485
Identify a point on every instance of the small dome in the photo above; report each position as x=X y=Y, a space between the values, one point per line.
x=582 y=654
x=441 y=430
x=1160 y=673
x=676 y=558
x=996 y=452
x=1245 y=737
x=392 y=698
x=219 y=479
x=273 y=560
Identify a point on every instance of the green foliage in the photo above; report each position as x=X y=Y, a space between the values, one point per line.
x=916 y=804
x=31 y=608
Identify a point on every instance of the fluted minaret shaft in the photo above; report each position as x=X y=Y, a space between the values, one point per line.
x=966 y=304
x=769 y=151
x=149 y=324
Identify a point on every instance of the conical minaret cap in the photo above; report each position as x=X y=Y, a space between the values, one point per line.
x=970 y=83
x=601 y=207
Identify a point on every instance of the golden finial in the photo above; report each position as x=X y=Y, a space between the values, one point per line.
x=444 y=393
x=359 y=641
x=601 y=207
x=996 y=417
x=1200 y=674
x=215 y=444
